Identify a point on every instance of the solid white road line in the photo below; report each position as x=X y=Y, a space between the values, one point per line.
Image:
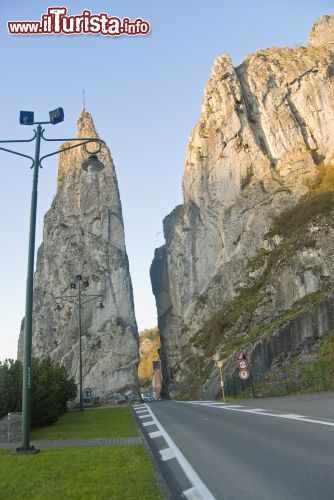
x=256 y=411
x=144 y=416
x=198 y=485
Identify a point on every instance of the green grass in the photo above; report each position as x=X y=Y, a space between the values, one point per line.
x=100 y=423
x=108 y=472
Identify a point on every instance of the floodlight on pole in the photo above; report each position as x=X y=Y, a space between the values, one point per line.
x=80 y=299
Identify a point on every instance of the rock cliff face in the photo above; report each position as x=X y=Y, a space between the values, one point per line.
x=263 y=146
x=83 y=234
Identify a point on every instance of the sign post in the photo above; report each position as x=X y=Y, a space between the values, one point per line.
x=220 y=366
x=242 y=364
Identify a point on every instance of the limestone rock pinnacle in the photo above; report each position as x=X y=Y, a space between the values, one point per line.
x=265 y=131
x=84 y=234
x=322 y=32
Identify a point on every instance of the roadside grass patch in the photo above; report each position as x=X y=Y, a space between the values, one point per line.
x=107 y=472
x=97 y=423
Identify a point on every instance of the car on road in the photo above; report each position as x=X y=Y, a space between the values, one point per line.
x=147 y=397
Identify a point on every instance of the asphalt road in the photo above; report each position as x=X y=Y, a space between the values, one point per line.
x=257 y=456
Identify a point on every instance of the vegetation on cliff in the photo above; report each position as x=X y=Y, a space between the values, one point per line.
x=148 y=351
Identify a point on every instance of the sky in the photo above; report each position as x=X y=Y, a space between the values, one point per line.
x=144 y=94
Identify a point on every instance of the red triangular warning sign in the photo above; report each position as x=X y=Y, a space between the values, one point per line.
x=242 y=355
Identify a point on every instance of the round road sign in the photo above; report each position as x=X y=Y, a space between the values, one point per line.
x=242 y=364
x=244 y=374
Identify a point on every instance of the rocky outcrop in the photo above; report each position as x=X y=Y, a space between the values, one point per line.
x=264 y=134
x=83 y=234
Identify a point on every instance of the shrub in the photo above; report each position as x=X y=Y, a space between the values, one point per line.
x=51 y=389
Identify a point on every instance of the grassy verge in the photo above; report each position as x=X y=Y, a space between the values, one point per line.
x=117 y=472
x=107 y=422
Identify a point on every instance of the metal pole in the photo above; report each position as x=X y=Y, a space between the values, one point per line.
x=80 y=352
x=26 y=390
x=286 y=380
x=222 y=382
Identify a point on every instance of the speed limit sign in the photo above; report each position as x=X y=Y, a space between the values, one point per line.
x=242 y=364
x=244 y=374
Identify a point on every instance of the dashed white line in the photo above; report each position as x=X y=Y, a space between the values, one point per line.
x=199 y=488
x=167 y=454
x=191 y=494
x=154 y=434
x=146 y=424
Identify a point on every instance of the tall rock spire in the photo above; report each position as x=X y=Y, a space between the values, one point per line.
x=264 y=135
x=84 y=234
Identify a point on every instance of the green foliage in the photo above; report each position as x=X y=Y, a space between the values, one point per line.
x=319 y=376
x=318 y=202
x=51 y=389
x=91 y=423
x=10 y=386
x=104 y=473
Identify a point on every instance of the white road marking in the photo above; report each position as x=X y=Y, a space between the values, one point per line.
x=212 y=405
x=166 y=454
x=144 y=416
x=154 y=434
x=195 y=480
x=146 y=424
x=140 y=411
x=139 y=406
x=256 y=411
x=192 y=494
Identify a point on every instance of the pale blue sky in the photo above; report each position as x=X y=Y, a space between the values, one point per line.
x=144 y=95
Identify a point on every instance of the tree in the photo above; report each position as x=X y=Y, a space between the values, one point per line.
x=51 y=389
x=10 y=386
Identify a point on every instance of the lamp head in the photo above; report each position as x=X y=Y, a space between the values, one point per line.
x=56 y=116
x=26 y=117
x=92 y=164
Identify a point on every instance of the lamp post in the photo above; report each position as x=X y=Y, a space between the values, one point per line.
x=80 y=286
x=92 y=164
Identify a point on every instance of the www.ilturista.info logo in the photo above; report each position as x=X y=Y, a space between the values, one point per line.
x=57 y=22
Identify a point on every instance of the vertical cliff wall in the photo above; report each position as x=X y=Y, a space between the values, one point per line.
x=264 y=136
x=84 y=234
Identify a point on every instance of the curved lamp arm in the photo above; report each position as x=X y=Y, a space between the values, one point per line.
x=85 y=141
x=21 y=140
x=18 y=154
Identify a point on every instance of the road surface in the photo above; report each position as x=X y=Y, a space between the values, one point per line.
x=274 y=449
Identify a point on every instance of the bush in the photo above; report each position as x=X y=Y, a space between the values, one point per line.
x=51 y=389
x=10 y=386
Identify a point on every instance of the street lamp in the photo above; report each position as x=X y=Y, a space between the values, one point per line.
x=80 y=286
x=27 y=118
